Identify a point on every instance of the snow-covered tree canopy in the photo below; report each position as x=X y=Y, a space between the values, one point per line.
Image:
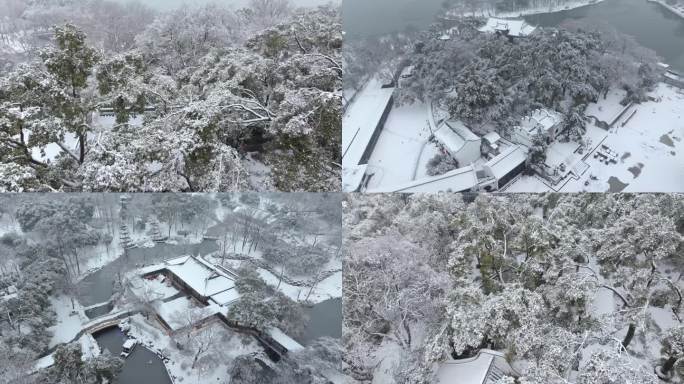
x=571 y=288
x=197 y=106
x=483 y=78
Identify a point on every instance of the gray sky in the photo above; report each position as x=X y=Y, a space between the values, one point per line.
x=170 y=4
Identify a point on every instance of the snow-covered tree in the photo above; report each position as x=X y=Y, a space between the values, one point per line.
x=612 y=368
x=673 y=347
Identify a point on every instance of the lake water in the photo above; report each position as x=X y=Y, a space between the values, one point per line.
x=141 y=366
x=366 y=18
x=650 y=24
x=325 y=319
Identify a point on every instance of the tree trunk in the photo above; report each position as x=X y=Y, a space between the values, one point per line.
x=194 y=361
x=408 y=333
x=81 y=148
x=669 y=365
x=78 y=265
x=629 y=335
x=280 y=278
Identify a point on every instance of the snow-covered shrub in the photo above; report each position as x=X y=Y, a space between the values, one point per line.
x=440 y=164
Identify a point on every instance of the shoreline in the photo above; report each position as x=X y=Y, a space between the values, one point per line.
x=670 y=8
x=527 y=12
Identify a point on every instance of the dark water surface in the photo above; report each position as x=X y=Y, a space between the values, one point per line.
x=140 y=367
x=325 y=319
x=366 y=18
x=650 y=24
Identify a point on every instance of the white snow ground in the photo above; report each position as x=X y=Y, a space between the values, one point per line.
x=649 y=147
x=397 y=154
x=69 y=321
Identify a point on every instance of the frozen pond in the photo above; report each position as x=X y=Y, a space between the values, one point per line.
x=98 y=287
x=650 y=24
x=142 y=366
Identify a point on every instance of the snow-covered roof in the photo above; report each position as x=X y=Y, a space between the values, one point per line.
x=361 y=120
x=542 y=119
x=460 y=129
x=516 y=28
x=454 y=134
x=201 y=275
x=672 y=76
x=471 y=371
x=225 y=297
x=286 y=341
x=458 y=180
x=506 y=161
x=492 y=137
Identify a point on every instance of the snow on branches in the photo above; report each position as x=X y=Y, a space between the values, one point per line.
x=190 y=102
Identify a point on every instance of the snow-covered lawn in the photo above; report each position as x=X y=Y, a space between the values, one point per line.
x=330 y=287
x=157 y=288
x=397 y=154
x=608 y=108
x=184 y=312
x=649 y=147
x=69 y=321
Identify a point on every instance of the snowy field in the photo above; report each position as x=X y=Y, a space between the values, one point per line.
x=69 y=321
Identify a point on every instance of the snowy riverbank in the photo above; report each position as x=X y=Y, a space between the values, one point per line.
x=677 y=9
x=528 y=11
